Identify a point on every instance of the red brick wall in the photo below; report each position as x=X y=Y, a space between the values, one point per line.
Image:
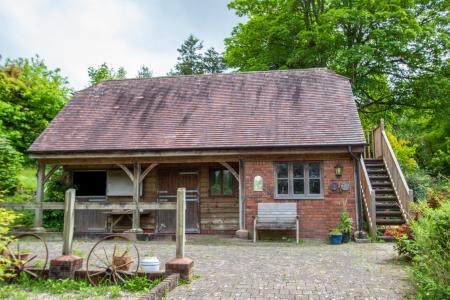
x=316 y=217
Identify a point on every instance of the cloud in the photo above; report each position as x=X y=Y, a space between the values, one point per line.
x=74 y=35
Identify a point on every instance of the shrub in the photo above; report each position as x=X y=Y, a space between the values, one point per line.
x=6 y=217
x=430 y=270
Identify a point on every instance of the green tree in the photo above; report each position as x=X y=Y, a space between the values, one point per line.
x=213 y=62
x=10 y=163
x=105 y=72
x=192 y=61
x=31 y=95
x=144 y=72
x=389 y=48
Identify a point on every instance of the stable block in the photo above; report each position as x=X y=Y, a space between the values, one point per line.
x=183 y=266
x=64 y=266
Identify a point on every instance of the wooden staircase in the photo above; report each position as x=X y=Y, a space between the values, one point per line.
x=385 y=192
x=387 y=205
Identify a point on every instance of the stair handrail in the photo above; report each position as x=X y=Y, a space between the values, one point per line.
x=368 y=195
x=401 y=188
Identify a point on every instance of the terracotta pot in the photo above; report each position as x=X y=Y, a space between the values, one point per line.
x=121 y=261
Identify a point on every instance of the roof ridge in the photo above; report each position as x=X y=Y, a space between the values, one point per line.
x=331 y=72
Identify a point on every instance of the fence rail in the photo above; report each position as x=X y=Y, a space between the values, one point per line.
x=91 y=206
x=369 y=201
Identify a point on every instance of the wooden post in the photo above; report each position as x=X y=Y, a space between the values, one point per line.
x=69 y=219
x=181 y=223
x=241 y=196
x=39 y=197
x=136 y=189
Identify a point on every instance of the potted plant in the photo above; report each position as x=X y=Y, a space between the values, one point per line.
x=345 y=226
x=335 y=236
x=150 y=263
x=122 y=261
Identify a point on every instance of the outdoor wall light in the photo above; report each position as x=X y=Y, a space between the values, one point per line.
x=338 y=170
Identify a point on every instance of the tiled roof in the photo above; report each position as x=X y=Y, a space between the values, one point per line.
x=312 y=107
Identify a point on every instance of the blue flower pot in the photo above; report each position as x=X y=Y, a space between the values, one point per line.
x=335 y=239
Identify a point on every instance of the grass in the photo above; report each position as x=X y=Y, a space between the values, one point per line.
x=24 y=287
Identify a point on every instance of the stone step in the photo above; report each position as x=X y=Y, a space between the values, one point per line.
x=396 y=221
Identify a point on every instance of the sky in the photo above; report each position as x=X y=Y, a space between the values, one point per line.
x=75 y=34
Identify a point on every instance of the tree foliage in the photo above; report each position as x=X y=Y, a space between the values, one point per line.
x=192 y=61
x=105 y=72
x=391 y=49
x=144 y=72
x=31 y=95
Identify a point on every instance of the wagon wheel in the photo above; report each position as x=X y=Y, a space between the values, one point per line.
x=113 y=259
x=28 y=253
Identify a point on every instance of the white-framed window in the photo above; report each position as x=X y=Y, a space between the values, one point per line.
x=298 y=180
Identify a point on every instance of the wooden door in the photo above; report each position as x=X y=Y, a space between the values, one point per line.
x=169 y=180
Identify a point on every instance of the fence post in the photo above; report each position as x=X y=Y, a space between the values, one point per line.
x=181 y=264
x=39 y=197
x=181 y=222
x=69 y=218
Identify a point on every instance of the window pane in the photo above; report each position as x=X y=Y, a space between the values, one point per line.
x=216 y=184
x=314 y=186
x=314 y=170
x=90 y=183
x=299 y=186
x=227 y=183
x=282 y=170
x=298 y=170
x=282 y=187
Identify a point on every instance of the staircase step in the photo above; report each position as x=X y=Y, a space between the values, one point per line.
x=386 y=204
x=376 y=171
x=381 y=189
x=375 y=165
x=390 y=213
x=372 y=160
x=391 y=197
x=378 y=177
x=396 y=221
x=381 y=183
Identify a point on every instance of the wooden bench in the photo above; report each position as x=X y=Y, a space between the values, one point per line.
x=276 y=216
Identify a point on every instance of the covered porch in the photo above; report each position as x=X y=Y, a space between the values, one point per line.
x=139 y=195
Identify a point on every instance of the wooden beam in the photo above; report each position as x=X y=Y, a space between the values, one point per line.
x=232 y=171
x=50 y=173
x=241 y=196
x=181 y=222
x=127 y=171
x=148 y=170
x=69 y=221
x=92 y=206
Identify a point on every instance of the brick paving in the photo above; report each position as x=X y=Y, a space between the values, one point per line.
x=229 y=268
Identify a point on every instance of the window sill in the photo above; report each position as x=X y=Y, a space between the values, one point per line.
x=321 y=197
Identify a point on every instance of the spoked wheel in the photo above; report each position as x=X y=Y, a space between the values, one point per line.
x=28 y=253
x=113 y=260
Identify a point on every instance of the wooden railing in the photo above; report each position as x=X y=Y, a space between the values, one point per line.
x=368 y=195
x=383 y=149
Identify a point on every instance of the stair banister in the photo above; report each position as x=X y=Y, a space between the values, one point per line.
x=368 y=195
x=383 y=149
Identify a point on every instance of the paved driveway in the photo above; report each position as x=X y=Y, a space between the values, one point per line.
x=234 y=269
x=231 y=269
